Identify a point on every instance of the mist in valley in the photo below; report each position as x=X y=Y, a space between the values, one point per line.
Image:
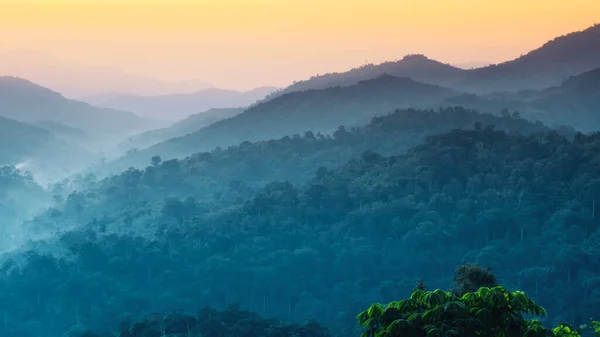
x=388 y=198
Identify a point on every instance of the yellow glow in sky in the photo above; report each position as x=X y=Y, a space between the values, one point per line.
x=248 y=43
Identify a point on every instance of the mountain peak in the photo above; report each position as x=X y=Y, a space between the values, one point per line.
x=14 y=80
x=11 y=85
x=416 y=57
x=578 y=50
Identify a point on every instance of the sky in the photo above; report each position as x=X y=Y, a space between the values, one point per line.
x=242 y=44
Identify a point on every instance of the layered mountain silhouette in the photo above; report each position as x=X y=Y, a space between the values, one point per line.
x=39 y=150
x=179 y=106
x=417 y=67
x=61 y=130
x=298 y=112
x=77 y=80
x=184 y=127
x=546 y=66
x=27 y=102
x=543 y=67
x=576 y=101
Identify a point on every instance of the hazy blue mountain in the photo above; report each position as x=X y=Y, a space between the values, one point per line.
x=543 y=67
x=189 y=125
x=38 y=150
x=25 y=101
x=416 y=67
x=61 y=130
x=21 y=198
x=297 y=112
x=179 y=106
x=546 y=66
x=576 y=101
x=19 y=140
x=77 y=80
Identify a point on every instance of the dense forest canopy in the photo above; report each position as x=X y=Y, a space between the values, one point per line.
x=225 y=176
x=474 y=306
x=526 y=203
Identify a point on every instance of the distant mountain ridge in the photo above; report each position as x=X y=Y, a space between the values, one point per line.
x=546 y=66
x=417 y=67
x=28 y=102
x=38 y=150
x=576 y=101
x=189 y=125
x=179 y=106
x=59 y=129
x=297 y=112
x=76 y=80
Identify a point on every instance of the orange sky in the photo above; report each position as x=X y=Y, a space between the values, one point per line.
x=248 y=43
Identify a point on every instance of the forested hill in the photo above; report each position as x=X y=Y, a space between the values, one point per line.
x=28 y=102
x=20 y=198
x=575 y=102
x=315 y=110
x=189 y=125
x=39 y=150
x=579 y=95
x=26 y=140
x=220 y=175
x=523 y=204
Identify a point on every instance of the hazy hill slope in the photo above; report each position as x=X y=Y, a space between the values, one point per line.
x=28 y=102
x=546 y=66
x=189 y=125
x=21 y=198
x=314 y=110
x=223 y=175
x=293 y=250
x=61 y=130
x=179 y=106
x=20 y=140
x=416 y=67
x=576 y=101
x=39 y=151
x=76 y=80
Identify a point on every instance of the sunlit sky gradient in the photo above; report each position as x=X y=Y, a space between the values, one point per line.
x=247 y=43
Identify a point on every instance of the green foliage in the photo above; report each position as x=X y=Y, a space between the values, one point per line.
x=470 y=277
x=488 y=312
x=564 y=330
